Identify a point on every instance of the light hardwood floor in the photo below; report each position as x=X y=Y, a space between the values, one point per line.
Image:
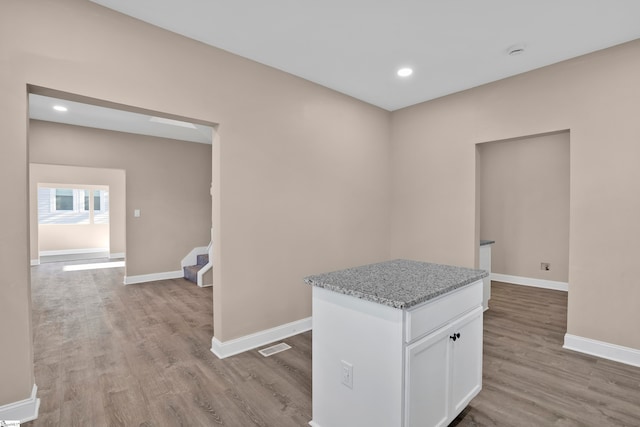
x=138 y=355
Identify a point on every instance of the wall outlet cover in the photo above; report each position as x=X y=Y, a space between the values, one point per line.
x=347 y=373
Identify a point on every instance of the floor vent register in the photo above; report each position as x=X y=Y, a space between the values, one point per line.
x=270 y=351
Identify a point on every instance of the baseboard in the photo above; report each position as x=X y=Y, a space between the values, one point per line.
x=312 y=424
x=249 y=342
x=605 y=350
x=35 y=262
x=528 y=281
x=73 y=251
x=143 y=278
x=116 y=255
x=24 y=410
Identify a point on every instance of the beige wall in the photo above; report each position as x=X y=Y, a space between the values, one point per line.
x=524 y=203
x=300 y=172
x=68 y=237
x=302 y=182
x=88 y=178
x=168 y=180
x=596 y=98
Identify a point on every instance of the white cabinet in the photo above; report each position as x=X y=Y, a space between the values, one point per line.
x=443 y=371
x=466 y=365
x=427 y=380
x=407 y=370
x=484 y=263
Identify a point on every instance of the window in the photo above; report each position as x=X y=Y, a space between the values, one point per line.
x=96 y=199
x=100 y=207
x=72 y=206
x=64 y=199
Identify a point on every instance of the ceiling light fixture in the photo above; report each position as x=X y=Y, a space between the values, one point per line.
x=405 y=72
x=60 y=108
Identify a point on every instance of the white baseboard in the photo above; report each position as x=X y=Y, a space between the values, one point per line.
x=116 y=255
x=313 y=424
x=73 y=251
x=249 y=342
x=528 y=281
x=35 y=262
x=143 y=278
x=24 y=410
x=605 y=350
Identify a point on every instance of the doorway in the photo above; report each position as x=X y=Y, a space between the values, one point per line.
x=79 y=212
x=166 y=204
x=523 y=190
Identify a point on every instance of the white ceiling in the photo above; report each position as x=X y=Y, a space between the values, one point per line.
x=80 y=114
x=356 y=46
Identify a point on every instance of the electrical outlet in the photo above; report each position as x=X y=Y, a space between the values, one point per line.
x=347 y=373
x=545 y=266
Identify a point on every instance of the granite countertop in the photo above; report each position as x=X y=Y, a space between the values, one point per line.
x=486 y=242
x=399 y=283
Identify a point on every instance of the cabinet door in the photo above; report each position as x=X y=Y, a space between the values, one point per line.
x=427 y=380
x=466 y=367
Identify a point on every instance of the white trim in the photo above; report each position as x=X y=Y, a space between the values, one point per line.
x=116 y=255
x=605 y=350
x=314 y=424
x=258 y=339
x=528 y=281
x=201 y=273
x=192 y=257
x=73 y=251
x=208 y=266
x=23 y=410
x=142 y=278
x=35 y=262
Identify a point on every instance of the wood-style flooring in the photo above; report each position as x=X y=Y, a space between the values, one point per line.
x=138 y=355
x=530 y=380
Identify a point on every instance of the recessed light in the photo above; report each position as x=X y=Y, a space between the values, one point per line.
x=405 y=72
x=60 y=108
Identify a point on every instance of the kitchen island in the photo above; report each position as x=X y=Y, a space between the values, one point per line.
x=395 y=344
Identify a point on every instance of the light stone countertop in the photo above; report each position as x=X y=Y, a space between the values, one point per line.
x=399 y=283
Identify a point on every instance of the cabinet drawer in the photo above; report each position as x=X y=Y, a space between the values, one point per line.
x=435 y=313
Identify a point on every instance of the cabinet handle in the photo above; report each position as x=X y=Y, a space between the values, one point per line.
x=455 y=336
